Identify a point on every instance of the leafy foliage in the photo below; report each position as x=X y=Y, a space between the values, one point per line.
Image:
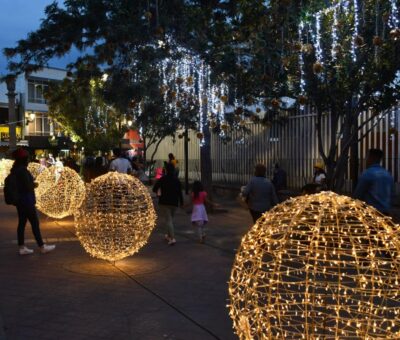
x=79 y=109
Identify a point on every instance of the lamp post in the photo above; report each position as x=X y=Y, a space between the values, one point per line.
x=11 y=94
x=186 y=156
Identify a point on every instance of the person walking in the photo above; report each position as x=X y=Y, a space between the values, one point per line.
x=279 y=179
x=199 y=214
x=172 y=160
x=26 y=204
x=259 y=193
x=120 y=163
x=169 y=192
x=375 y=185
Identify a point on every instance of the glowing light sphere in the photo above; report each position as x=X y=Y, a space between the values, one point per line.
x=116 y=218
x=5 y=168
x=35 y=169
x=319 y=266
x=60 y=192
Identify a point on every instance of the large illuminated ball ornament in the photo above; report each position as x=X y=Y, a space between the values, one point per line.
x=116 y=218
x=35 y=169
x=5 y=169
x=319 y=266
x=60 y=192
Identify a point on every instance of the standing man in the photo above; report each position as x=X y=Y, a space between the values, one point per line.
x=169 y=190
x=120 y=163
x=375 y=185
x=259 y=193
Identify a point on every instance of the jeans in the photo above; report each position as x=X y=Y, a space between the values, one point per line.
x=28 y=213
x=255 y=215
x=167 y=212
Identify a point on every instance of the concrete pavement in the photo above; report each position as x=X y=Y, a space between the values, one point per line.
x=163 y=292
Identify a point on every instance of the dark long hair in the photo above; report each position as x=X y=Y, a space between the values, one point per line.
x=197 y=188
x=20 y=162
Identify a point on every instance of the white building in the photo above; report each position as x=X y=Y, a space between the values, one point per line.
x=34 y=128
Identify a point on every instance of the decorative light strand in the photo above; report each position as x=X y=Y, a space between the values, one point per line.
x=301 y=59
x=355 y=31
x=317 y=37
x=335 y=37
x=394 y=15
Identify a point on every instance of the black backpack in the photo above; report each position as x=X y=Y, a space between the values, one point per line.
x=11 y=195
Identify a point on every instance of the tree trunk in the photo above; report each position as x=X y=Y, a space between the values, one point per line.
x=186 y=160
x=205 y=161
x=205 y=149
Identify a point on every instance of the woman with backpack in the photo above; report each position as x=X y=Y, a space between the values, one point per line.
x=25 y=203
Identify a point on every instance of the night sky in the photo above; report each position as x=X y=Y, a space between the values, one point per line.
x=17 y=19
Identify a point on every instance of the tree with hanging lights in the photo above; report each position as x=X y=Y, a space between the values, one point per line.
x=78 y=108
x=339 y=56
x=347 y=63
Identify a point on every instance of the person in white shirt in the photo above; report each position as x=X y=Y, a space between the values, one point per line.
x=120 y=164
x=319 y=174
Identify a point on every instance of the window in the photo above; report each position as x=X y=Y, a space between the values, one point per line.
x=40 y=126
x=36 y=90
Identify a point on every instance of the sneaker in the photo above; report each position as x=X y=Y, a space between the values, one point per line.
x=25 y=251
x=171 y=242
x=47 y=248
x=167 y=238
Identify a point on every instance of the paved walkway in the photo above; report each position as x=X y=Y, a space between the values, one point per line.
x=162 y=292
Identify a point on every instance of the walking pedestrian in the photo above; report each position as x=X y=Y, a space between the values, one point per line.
x=26 y=204
x=376 y=185
x=199 y=214
x=169 y=192
x=259 y=193
x=120 y=163
x=279 y=178
x=172 y=160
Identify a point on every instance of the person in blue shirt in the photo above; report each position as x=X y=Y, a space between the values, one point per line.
x=375 y=185
x=259 y=193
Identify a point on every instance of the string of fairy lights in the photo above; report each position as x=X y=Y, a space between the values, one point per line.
x=116 y=218
x=318 y=266
x=60 y=192
x=350 y=9
x=187 y=81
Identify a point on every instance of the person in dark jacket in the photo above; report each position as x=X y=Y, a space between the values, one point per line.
x=376 y=185
x=169 y=191
x=279 y=178
x=26 y=204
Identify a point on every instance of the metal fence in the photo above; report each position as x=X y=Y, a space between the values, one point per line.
x=293 y=144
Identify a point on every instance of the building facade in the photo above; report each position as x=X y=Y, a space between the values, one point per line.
x=35 y=129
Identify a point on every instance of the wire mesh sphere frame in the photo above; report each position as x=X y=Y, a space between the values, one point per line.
x=60 y=192
x=116 y=218
x=5 y=169
x=35 y=169
x=319 y=266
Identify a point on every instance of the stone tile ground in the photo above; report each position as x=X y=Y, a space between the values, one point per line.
x=162 y=292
